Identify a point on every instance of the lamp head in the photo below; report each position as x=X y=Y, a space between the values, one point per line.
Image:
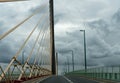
x=82 y=30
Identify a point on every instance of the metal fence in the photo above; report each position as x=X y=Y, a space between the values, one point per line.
x=104 y=73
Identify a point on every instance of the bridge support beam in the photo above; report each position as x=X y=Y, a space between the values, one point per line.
x=53 y=64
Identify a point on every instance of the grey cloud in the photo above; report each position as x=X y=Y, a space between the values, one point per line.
x=110 y=61
x=106 y=49
x=58 y=17
x=42 y=8
x=92 y=62
x=1 y=23
x=116 y=17
x=100 y=26
x=99 y=47
x=102 y=31
x=6 y=51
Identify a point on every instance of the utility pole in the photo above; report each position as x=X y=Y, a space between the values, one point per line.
x=53 y=65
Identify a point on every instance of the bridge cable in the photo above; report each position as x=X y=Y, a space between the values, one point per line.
x=41 y=61
x=15 y=27
x=12 y=0
x=42 y=49
x=37 y=54
x=46 y=50
x=30 y=54
x=17 y=54
x=39 y=49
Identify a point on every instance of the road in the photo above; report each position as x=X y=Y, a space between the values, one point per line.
x=68 y=79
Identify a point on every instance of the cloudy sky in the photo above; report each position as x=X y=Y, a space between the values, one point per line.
x=100 y=19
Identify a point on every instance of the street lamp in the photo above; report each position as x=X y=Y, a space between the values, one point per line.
x=23 y=57
x=71 y=56
x=67 y=57
x=84 y=50
x=68 y=64
x=56 y=63
x=72 y=59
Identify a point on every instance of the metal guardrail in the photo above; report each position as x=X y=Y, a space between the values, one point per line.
x=103 y=73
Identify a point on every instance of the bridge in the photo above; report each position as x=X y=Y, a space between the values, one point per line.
x=37 y=42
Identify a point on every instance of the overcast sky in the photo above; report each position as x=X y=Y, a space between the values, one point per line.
x=100 y=19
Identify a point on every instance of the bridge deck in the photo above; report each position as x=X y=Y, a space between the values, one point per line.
x=68 y=79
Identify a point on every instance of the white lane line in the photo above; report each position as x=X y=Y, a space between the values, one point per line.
x=68 y=79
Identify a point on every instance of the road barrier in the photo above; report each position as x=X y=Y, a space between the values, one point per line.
x=103 y=73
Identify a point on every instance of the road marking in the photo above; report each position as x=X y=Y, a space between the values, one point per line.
x=68 y=79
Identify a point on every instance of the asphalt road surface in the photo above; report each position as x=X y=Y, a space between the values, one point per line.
x=68 y=79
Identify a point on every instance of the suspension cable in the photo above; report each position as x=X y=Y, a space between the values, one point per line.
x=12 y=0
x=14 y=28
x=17 y=54
x=37 y=54
x=44 y=61
x=33 y=48
x=29 y=56
x=47 y=57
x=42 y=52
x=42 y=47
x=41 y=39
x=39 y=48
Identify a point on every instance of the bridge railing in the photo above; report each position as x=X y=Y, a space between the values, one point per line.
x=104 y=73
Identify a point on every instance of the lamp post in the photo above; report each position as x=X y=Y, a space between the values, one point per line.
x=72 y=59
x=23 y=57
x=65 y=67
x=68 y=64
x=84 y=50
x=56 y=63
x=71 y=56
